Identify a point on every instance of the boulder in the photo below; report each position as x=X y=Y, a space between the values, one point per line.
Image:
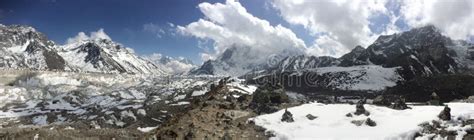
x=445 y=114
x=357 y=122
x=311 y=117
x=370 y=122
x=348 y=115
x=287 y=116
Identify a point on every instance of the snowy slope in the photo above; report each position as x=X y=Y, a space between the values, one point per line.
x=103 y=55
x=332 y=124
x=366 y=77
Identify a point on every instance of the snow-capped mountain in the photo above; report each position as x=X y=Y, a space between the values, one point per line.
x=420 y=52
x=225 y=64
x=24 y=47
x=178 y=65
x=301 y=62
x=239 y=60
x=103 y=55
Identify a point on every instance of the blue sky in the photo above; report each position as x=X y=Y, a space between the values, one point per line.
x=145 y=25
x=122 y=20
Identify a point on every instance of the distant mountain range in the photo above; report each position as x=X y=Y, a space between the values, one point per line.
x=420 y=51
x=22 y=47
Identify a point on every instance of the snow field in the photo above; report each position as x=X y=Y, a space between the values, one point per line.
x=332 y=124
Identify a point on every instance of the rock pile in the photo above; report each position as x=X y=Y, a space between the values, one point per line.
x=445 y=114
x=287 y=116
x=360 y=109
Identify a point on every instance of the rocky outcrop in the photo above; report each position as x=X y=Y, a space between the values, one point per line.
x=268 y=97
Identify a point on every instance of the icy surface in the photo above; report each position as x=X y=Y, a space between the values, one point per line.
x=332 y=124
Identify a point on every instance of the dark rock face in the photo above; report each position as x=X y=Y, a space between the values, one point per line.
x=311 y=117
x=96 y=55
x=350 y=58
x=445 y=114
x=420 y=52
x=39 y=53
x=302 y=62
x=287 y=116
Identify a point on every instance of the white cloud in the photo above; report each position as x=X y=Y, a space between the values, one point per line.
x=337 y=25
x=326 y=46
x=81 y=36
x=170 y=24
x=455 y=18
x=100 y=34
x=154 y=29
x=230 y=25
x=205 y=56
x=344 y=23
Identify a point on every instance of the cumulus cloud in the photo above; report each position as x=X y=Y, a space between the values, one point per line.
x=342 y=23
x=454 y=18
x=81 y=36
x=337 y=25
x=230 y=25
x=206 y=56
